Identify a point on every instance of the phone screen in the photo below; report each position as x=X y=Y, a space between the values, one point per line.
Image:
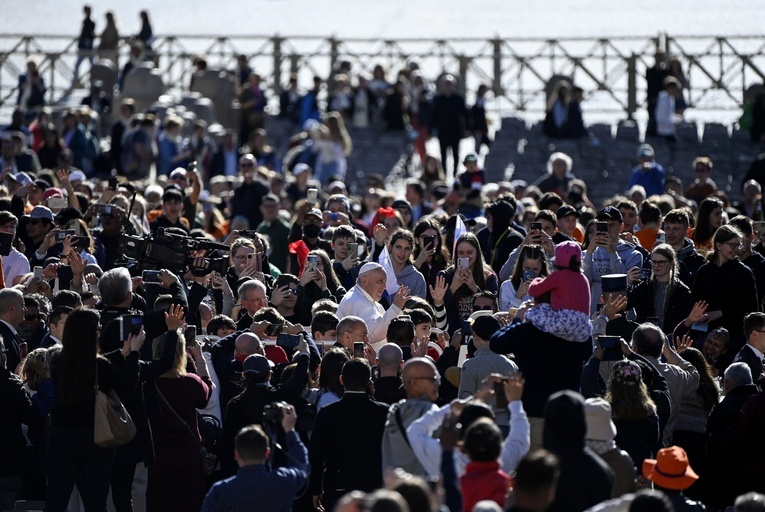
x=499 y=395
x=358 y=349
x=6 y=239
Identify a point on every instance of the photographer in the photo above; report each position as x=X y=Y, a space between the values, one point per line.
x=117 y=298
x=248 y=407
x=254 y=483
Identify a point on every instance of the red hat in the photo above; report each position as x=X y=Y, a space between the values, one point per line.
x=52 y=192
x=670 y=470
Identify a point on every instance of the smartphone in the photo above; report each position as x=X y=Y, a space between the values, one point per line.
x=466 y=328
x=312 y=196
x=311 y=262
x=601 y=227
x=661 y=238
x=130 y=324
x=528 y=274
x=150 y=276
x=699 y=327
x=250 y=257
x=62 y=234
x=334 y=216
x=358 y=349
x=38 y=272
x=462 y=264
x=190 y=335
x=23 y=350
x=499 y=394
x=113 y=183
x=104 y=209
x=645 y=274
x=6 y=242
x=611 y=346
x=353 y=250
x=429 y=241
x=536 y=226
x=274 y=330
x=58 y=202
x=285 y=340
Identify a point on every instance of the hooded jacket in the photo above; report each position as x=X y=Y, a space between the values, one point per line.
x=585 y=479
x=600 y=262
x=414 y=280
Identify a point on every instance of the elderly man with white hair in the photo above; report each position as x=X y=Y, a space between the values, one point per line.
x=363 y=301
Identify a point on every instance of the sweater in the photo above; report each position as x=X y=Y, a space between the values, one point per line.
x=484 y=481
x=735 y=300
x=569 y=290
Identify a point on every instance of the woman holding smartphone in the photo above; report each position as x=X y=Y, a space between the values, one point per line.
x=430 y=255
x=531 y=263
x=662 y=296
x=468 y=276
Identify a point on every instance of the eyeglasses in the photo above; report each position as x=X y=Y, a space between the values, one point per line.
x=294 y=291
x=32 y=318
x=483 y=308
x=246 y=164
x=733 y=245
x=659 y=263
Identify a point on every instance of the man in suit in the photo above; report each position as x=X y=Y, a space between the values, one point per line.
x=12 y=311
x=752 y=352
x=346 y=444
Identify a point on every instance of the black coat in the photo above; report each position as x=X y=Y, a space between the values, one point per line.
x=346 y=445
x=11 y=345
x=449 y=117
x=548 y=363
x=17 y=409
x=246 y=201
x=585 y=479
x=729 y=288
x=246 y=408
x=752 y=360
x=678 y=303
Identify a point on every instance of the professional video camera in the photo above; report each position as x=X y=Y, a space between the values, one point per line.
x=172 y=251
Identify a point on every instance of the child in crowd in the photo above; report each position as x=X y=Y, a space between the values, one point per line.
x=483 y=478
x=567 y=313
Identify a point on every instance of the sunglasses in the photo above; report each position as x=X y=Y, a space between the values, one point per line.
x=483 y=308
x=32 y=318
x=35 y=222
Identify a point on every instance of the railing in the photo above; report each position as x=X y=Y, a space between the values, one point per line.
x=610 y=70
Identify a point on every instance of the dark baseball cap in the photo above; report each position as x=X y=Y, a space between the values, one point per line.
x=610 y=213
x=566 y=210
x=257 y=367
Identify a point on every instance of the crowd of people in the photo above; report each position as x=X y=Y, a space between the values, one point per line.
x=279 y=343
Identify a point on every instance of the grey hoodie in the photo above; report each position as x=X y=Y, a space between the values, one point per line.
x=414 y=280
x=396 y=452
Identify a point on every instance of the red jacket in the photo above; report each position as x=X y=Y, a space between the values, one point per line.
x=484 y=481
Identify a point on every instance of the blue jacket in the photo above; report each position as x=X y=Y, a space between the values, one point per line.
x=651 y=180
x=272 y=491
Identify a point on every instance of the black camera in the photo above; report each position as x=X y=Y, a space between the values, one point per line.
x=169 y=250
x=272 y=413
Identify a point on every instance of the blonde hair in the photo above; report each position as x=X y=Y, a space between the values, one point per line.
x=179 y=363
x=35 y=370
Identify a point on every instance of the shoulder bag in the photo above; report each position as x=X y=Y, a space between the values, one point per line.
x=112 y=424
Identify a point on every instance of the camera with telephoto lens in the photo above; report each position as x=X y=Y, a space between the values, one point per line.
x=170 y=249
x=273 y=414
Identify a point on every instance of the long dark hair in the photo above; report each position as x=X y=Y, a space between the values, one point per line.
x=441 y=257
x=480 y=268
x=331 y=366
x=78 y=357
x=333 y=283
x=704 y=229
x=533 y=252
x=707 y=390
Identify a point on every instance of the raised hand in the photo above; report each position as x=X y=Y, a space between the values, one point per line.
x=513 y=385
x=174 y=317
x=438 y=291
